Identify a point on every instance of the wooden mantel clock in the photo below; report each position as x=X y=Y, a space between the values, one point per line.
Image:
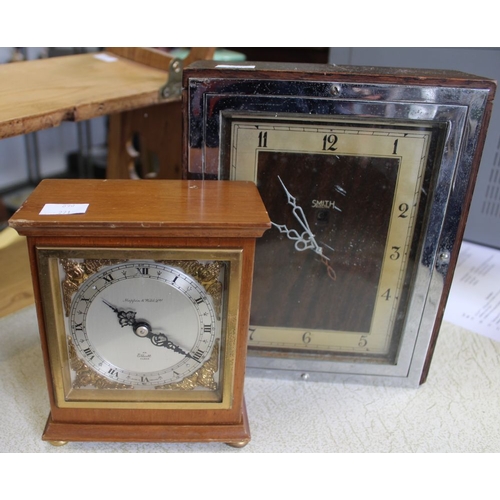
x=367 y=174
x=142 y=293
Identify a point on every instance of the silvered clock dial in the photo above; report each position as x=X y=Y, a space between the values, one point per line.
x=138 y=328
x=144 y=324
x=367 y=175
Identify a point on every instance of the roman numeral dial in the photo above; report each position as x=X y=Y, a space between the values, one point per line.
x=144 y=324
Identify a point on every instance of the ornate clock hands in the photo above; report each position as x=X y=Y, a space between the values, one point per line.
x=143 y=329
x=306 y=240
x=125 y=318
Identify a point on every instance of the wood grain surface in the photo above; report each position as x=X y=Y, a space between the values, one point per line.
x=40 y=94
x=145 y=208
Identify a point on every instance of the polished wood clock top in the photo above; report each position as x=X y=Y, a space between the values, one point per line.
x=146 y=208
x=328 y=72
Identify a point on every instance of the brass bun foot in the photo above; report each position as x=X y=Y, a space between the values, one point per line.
x=58 y=443
x=238 y=444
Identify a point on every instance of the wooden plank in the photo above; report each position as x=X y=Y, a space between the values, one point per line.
x=159 y=132
x=153 y=127
x=150 y=57
x=40 y=94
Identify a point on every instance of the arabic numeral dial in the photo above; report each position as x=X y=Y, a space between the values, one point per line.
x=329 y=142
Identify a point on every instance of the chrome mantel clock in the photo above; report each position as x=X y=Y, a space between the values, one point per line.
x=367 y=175
x=143 y=306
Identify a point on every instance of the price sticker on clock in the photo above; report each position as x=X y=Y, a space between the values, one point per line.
x=64 y=208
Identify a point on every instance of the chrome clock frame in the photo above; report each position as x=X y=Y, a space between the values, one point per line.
x=461 y=112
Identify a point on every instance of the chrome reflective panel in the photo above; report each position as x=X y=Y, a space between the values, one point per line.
x=458 y=111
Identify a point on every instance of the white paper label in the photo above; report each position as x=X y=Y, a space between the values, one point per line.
x=105 y=57
x=236 y=66
x=64 y=208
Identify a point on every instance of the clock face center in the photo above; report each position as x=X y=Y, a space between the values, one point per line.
x=142 y=330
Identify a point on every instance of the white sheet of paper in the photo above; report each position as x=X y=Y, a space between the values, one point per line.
x=64 y=208
x=474 y=300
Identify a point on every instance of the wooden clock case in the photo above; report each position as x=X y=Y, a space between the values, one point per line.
x=147 y=215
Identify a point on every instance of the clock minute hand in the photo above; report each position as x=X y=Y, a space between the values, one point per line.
x=161 y=340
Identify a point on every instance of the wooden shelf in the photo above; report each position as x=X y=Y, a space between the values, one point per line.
x=36 y=95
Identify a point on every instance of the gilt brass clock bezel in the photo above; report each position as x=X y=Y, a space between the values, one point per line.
x=273 y=93
x=57 y=336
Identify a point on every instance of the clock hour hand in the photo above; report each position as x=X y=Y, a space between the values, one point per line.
x=306 y=240
x=125 y=318
x=303 y=241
